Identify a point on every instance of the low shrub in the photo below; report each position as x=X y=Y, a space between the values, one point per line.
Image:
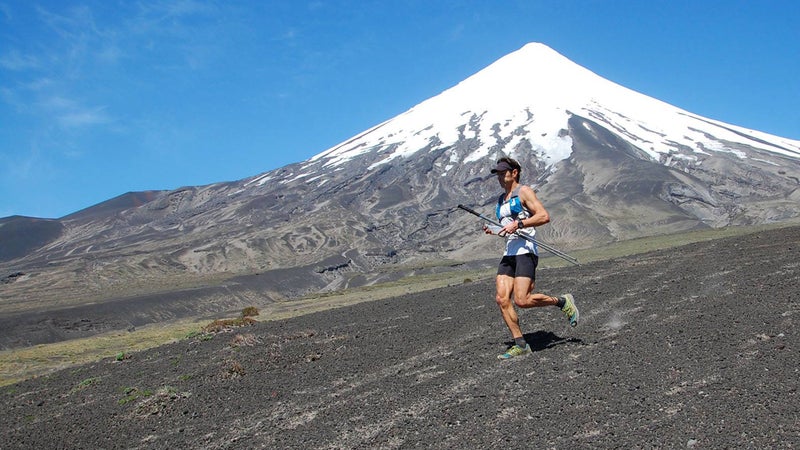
x=84 y=384
x=244 y=340
x=250 y=311
x=220 y=325
x=232 y=369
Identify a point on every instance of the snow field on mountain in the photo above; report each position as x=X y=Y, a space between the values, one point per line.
x=529 y=95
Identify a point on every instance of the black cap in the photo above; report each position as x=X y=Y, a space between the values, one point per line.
x=502 y=166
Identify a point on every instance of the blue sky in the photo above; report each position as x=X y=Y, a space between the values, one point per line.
x=98 y=98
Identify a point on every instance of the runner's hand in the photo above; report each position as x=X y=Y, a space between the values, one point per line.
x=492 y=229
x=510 y=228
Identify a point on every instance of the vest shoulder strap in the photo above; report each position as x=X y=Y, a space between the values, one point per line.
x=502 y=198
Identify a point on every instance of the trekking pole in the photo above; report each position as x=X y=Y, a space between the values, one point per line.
x=525 y=236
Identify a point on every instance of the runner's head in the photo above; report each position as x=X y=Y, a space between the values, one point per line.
x=505 y=164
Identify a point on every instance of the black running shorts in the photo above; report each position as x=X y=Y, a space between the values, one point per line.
x=519 y=266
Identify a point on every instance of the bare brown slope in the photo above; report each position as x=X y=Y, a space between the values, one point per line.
x=691 y=347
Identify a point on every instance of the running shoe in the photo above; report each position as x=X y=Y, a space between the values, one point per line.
x=514 y=351
x=571 y=310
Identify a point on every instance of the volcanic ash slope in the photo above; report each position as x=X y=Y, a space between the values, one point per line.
x=688 y=347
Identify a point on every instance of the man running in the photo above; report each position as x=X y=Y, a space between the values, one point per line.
x=518 y=209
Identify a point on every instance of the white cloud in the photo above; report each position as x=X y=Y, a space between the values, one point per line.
x=80 y=118
x=78 y=21
x=70 y=113
x=57 y=103
x=187 y=7
x=16 y=61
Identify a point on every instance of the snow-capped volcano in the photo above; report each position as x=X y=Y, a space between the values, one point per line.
x=529 y=95
x=609 y=163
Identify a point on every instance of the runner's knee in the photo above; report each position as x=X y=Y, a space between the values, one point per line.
x=503 y=300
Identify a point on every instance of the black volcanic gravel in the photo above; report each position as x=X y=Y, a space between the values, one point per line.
x=693 y=347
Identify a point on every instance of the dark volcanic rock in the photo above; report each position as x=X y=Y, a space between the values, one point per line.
x=22 y=235
x=689 y=347
x=115 y=205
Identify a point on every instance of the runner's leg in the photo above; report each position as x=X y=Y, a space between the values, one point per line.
x=505 y=286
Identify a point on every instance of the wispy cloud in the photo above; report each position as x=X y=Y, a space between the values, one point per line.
x=16 y=61
x=180 y=8
x=5 y=10
x=74 y=41
x=77 y=76
x=189 y=34
x=81 y=118
x=51 y=78
x=77 y=21
x=71 y=114
x=24 y=164
x=457 y=32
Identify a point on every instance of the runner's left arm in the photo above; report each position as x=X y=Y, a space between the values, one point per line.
x=539 y=215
